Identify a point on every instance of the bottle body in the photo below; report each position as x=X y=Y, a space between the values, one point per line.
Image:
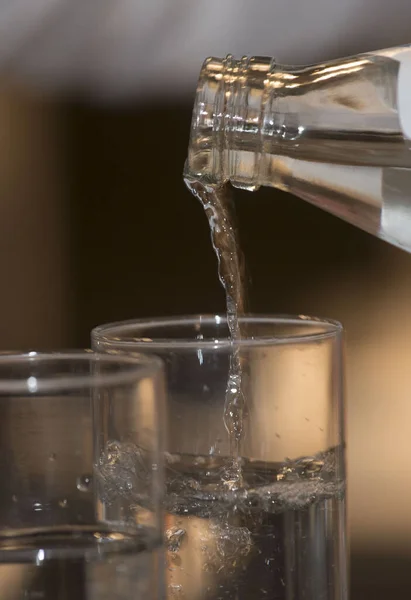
x=336 y=134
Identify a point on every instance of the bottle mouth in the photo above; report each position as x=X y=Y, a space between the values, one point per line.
x=204 y=161
x=225 y=141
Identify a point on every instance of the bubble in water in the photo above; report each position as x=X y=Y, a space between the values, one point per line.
x=175 y=559
x=293 y=494
x=84 y=483
x=310 y=466
x=52 y=457
x=183 y=485
x=226 y=547
x=231 y=474
x=14 y=498
x=37 y=506
x=303 y=468
x=124 y=470
x=113 y=452
x=233 y=542
x=63 y=503
x=174 y=538
x=176 y=590
x=171 y=459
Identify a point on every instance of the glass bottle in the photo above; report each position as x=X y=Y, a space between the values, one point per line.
x=336 y=134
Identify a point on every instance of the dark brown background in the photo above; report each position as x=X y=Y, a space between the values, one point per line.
x=140 y=247
x=98 y=226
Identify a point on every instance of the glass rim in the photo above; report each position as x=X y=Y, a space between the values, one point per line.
x=111 y=333
x=138 y=367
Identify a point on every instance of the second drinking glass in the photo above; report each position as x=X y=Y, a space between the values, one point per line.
x=81 y=476
x=254 y=476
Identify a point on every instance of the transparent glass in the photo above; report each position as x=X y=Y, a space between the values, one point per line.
x=278 y=531
x=336 y=134
x=66 y=529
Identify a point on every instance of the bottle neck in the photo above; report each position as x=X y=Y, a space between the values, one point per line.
x=250 y=114
x=227 y=118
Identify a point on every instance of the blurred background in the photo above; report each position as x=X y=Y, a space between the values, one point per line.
x=96 y=224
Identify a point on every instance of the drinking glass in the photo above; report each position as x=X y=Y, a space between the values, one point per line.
x=255 y=456
x=81 y=476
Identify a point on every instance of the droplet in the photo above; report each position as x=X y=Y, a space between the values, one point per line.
x=52 y=457
x=84 y=483
x=174 y=538
x=63 y=503
x=175 y=589
x=113 y=453
x=39 y=556
x=14 y=498
x=175 y=559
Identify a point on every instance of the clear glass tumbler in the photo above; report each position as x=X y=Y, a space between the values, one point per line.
x=69 y=526
x=261 y=516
